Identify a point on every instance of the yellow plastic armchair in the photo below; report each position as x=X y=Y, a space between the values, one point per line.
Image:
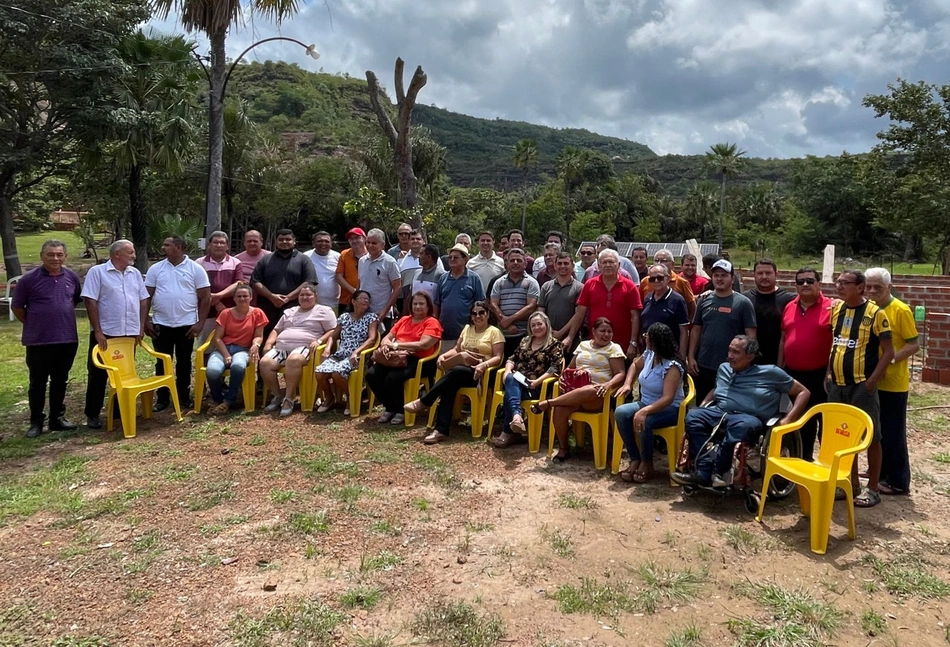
x=534 y=421
x=478 y=396
x=672 y=435
x=846 y=432
x=125 y=385
x=307 y=387
x=600 y=425
x=356 y=382
x=248 y=386
x=413 y=387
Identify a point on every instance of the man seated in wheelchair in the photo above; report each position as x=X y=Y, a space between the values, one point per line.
x=745 y=398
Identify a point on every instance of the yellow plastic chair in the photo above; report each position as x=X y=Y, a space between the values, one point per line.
x=412 y=388
x=248 y=386
x=534 y=421
x=672 y=435
x=356 y=381
x=126 y=386
x=307 y=387
x=599 y=423
x=846 y=432
x=477 y=396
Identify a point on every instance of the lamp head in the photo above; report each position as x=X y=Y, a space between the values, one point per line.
x=312 y=52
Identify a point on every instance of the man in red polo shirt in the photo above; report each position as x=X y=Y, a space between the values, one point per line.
x=805 y=344
x=613 y=296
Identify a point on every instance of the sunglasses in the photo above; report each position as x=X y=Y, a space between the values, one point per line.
x=587 y=253
x=805 y=281
x=657 y=279
x=403 y=233
x=479 y=313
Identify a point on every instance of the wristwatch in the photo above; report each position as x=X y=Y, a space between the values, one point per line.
x=395 y=345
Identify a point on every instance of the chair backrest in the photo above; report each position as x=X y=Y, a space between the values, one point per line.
x=408 y=276
x=119 y=355
x=842 y=427
x=688 y=400
x=10 y=283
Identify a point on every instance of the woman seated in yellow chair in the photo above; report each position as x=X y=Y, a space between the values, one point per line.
x=412 y=338
x=660 y=373
x=356 y=331
x=481 y=346
x=296 y=336
x=538 y=356
x=599 y=363
x=237 y=341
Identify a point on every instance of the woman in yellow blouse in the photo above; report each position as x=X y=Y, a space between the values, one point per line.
x=480 y=347
x=603 y=361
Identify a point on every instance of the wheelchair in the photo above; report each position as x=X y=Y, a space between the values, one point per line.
x=748 y=466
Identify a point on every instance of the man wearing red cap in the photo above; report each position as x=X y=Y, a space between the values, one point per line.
x=347 y=270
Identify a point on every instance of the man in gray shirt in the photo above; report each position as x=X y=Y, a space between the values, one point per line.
x=559 y=296
x=514 y=297
x=379 y=275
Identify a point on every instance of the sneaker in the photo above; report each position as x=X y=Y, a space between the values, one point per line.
x=398 y=419
x=346 y=411
x=386 y=417
x=517 y=424
x=286 y=408
x=435 y=437
x=274 y=403
x=325 y=406
x=688 y=478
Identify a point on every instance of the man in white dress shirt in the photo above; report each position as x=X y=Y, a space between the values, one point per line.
x=117 y=306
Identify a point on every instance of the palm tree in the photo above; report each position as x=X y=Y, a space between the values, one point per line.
x=570 y=165
x=725 y=159
x=215 y=18
x=701 y=205
x=526 y=156
x=152 y=118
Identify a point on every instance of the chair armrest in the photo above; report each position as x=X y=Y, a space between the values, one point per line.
x=499 y=379
x=424 y=360
x=165 y=357
x=608 y=397
x=99 y=364
x=200 y=353
x=546 y=387
x=775 y=440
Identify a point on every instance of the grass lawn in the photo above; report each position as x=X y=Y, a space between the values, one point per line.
x=28 y=245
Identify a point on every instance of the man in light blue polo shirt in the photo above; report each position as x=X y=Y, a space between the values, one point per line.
x=459 y=289
x=513 y=298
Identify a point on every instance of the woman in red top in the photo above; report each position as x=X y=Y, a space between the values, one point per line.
x=413 y=337
x=237 y=341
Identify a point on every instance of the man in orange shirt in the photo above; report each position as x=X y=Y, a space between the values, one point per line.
x=347 y=270
x=677 y=282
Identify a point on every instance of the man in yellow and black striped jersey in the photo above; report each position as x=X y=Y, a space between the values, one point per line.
x=860 y=354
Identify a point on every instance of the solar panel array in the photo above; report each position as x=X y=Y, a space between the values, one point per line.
x=678 y=249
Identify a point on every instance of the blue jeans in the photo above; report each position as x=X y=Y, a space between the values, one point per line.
x=215 y=373
x=514 y=394
x=624 y=417
x=738 y=427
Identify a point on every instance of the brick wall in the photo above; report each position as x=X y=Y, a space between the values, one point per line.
x=932 y=292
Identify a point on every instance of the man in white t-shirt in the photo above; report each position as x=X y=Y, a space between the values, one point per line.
x=180 y=296
x=325 y=261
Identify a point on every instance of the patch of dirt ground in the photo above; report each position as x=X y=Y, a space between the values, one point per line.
x=324 y=530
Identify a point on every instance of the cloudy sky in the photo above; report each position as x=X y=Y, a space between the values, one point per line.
x=783 y=78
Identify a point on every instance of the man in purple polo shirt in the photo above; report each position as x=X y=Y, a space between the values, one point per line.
x=224 y=272
x=45 y=303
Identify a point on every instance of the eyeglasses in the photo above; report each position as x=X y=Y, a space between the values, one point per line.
x=840 y=282
x=657 y=279
x=479 y=313
x=402 y=233
x=805 y=281
x=662 y=260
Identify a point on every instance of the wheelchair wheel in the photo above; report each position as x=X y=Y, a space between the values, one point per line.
x=752 y=500
x=781 y=488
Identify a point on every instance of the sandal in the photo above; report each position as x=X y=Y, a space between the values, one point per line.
x=536 y=407
x=884 y=488
x=513 y=439
x=326 y=406
x=560 y=458
x=640 y=477
x=867 y=499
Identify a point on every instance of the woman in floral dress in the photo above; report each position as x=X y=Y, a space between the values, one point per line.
x=356 y=332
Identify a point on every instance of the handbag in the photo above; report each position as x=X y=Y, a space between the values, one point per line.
x=572 y=378
x=396 y=359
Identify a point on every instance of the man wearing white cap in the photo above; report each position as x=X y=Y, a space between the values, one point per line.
x=720 y=316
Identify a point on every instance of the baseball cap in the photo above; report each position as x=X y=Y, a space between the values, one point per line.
x=356 y=231
x=461 y=248
x=722 y=264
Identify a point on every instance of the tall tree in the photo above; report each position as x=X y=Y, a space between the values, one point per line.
x=56 y=59
x=151 y=119
x=525 y=158
x=701 y=203
x=399 y=135
x=215 y=18
x=725 y=159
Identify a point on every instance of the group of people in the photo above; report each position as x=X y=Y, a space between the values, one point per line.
x=600 y=323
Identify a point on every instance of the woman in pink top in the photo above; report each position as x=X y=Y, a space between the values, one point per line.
x=298 y=333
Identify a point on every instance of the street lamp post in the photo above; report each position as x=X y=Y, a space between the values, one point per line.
x=216 y=129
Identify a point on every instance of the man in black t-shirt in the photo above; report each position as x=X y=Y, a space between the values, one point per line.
x=769 y=303
x=277 y=278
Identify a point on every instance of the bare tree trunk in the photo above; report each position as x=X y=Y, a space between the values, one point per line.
x=398 y=135
x=11 y=258
x=137 y=226
x=215 y=133
x=722 y=208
